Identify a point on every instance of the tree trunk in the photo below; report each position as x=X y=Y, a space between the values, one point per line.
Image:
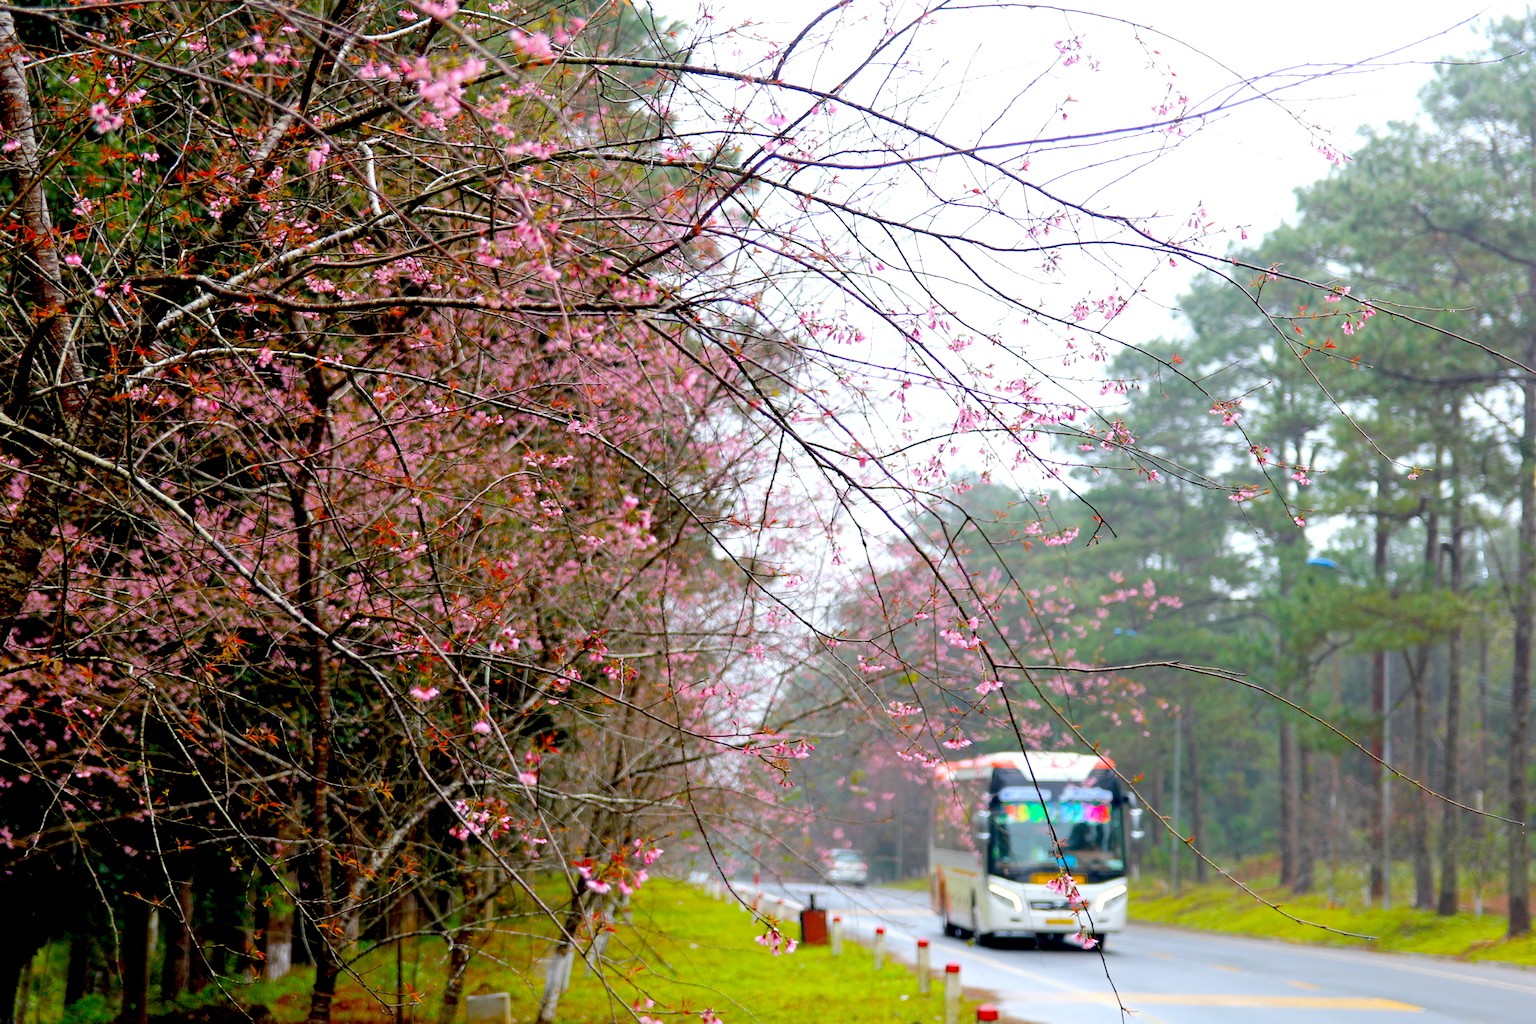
x=459 y=954
x=322 y=994
x=1482 y=772
x=278 y=937
x=1288 y=801
x=318 y=886
x=1379 y=825
x=1450 y=779
x=77 y=976
x=479 y=888
x=1305 y=823
x=28 y=532
x=1423 y=873
x=133 y=962
x=557 y=975
x=1518 y=880
x=1196 y=808
x=176 y=970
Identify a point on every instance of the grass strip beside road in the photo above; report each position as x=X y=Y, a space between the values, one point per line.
x=681 y=954
x=1219 y=908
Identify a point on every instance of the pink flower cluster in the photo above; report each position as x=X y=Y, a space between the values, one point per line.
x=618 y=871
x=442 y=87
x=107 y=117
x=485 y=819
x=776 y=942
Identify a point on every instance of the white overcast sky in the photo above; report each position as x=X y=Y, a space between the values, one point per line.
x=1243 y=169
x=1401 y=40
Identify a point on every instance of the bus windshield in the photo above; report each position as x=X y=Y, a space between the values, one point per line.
x=1076 y=826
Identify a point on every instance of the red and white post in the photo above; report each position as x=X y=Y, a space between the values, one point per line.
x=951 y=994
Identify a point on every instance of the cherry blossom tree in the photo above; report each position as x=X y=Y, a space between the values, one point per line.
x=433 y=429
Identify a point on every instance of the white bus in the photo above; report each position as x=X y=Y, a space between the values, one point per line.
x=1030 y=845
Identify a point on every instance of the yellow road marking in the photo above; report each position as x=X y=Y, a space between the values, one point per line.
x=1130 y=1000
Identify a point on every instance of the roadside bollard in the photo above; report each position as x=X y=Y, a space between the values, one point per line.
x=924 y=968
x=985 y=1012
x=951 y=994
x=495 y=1008
x=879 y=948
x=837 y=936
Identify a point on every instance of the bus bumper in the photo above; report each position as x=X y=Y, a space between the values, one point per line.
x=1049 y=914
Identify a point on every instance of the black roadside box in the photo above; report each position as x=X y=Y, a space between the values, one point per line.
x=813 y=924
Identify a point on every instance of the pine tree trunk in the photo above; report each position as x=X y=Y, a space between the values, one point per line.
x=1196 y=805
x=1305 y=823
x=1423 y=873
x=1450 y=780
x=1288 y=802
x=1518 y=878
x=1449 y=898
x=1380 y=712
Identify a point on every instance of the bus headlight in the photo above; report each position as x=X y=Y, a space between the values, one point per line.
x=1008 y=896
x=1112 y=898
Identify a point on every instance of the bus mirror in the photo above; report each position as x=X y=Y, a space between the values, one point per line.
x=1137 y=832
x=981 y=824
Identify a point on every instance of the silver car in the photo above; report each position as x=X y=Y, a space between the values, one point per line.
x=845 y=867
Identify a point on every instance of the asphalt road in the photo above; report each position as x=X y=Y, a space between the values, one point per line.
x=1154 y=975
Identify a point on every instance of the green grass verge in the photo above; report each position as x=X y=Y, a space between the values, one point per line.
x=1223 y=908
x=681 y=951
